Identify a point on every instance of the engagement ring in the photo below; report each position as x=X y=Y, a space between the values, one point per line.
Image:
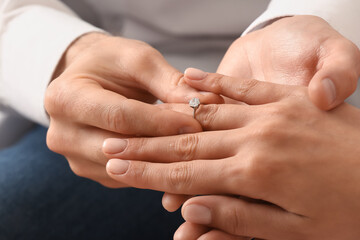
x=194 y=103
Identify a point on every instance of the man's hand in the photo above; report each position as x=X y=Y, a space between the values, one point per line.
x=102 y=89
x=299 y=50
x=296 y=167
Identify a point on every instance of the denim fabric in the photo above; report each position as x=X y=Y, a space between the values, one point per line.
x=40 y=198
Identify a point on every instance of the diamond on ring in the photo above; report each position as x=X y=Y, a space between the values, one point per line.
x=194 y=103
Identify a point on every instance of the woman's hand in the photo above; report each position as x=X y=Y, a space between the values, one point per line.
x=296 y=167
x=299 y=50
x=105 y=87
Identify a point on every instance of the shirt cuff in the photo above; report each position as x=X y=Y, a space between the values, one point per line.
x=342 y=15
x=32 y=44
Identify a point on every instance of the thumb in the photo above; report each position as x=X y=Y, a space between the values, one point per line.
x=337 y=78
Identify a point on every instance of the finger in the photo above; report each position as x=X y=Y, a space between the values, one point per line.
x=249 y=91
x=94 y=106
x=205 y=145
x=215 y=117
x=337 y=76
x=216 y=234
x=241 y=218
x=78 y=141
x=190 y=231
x=188 y=178
x=167 y=83
x=96 y=172
x=85 y=158
x=172 y=202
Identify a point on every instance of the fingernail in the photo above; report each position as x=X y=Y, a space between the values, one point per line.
x=197 y=214
x=195 y=74
x=117 y=167
x=185 y=130
x=114 y=145
x=330 y=90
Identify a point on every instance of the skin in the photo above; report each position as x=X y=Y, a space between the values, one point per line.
x=105 y=87
x=297 y=166
x=299 y=50
x=102 y=78
x=99 y=69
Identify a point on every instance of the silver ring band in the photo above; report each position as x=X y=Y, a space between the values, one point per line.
x=195 y=104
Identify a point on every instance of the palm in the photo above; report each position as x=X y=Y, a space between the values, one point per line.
x=279 y=53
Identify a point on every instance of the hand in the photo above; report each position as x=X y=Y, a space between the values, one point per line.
x=103 y=86
x=298 y=163
x=299 y=50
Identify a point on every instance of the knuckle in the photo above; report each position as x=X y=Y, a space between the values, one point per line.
x=246 y=88
x=284 y=113
x=144 y=55
x=179 y=177
x=258 y=171
x=54 y=141
x=56 y=98
x=185 y=147
x=175 y=80
x=277 y=111
x=267 y=131
x=207 y=115
x=114 y=116
x=349 y=47
x=257 y=165
x=263 y=170
x=298 y=92
x=139 y=174
x=137 y=147
x=235 y=175
x=238 y=226
x=215 y=83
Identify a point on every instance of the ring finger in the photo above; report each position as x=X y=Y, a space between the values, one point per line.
x=213 y=117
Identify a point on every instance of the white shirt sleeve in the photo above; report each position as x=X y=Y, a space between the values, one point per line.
x=34 y=34
x=343 y=15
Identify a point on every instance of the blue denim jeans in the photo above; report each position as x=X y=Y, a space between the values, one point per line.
x=40 y=198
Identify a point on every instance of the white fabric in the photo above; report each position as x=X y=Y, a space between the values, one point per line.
x=35 y=33
x=343 y=15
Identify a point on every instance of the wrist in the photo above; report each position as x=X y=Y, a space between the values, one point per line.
x=77 y=47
